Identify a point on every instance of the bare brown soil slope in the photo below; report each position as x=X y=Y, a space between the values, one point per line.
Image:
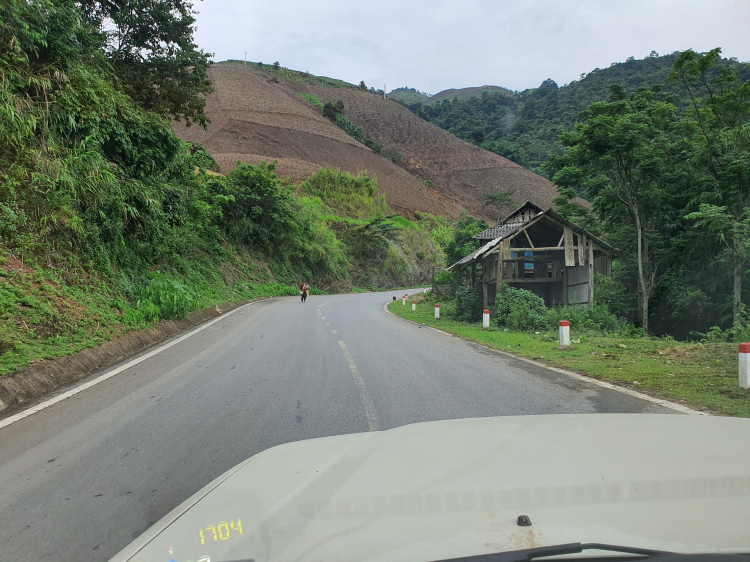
x=253 y=119
x=457 y=169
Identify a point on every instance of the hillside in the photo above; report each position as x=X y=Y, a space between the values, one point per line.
x=253 y=120
x=408 y=95
x=258 y=114
x=110 y=223
x=524 y=127
x=466 y=93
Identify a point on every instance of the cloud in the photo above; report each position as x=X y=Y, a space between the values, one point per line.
x=442 y=44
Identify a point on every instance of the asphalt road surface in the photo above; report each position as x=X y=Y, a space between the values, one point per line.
x=85 y=476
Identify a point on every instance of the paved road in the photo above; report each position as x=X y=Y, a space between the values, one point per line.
x=84 y=477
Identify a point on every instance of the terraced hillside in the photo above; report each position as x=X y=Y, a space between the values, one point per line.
x=255 y=118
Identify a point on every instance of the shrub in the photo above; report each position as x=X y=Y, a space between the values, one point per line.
x=519 y=309
x=166 y=297
x=349 y=195
x=591 y=319
x=313 y=100
x=333 y=110
x=469 y=303
x=444 y=278
x=393 y=155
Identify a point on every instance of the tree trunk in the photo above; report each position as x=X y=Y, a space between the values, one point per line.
x=737 y=300
x=641 y=277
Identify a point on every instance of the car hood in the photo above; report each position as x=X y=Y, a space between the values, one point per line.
x=445 y=489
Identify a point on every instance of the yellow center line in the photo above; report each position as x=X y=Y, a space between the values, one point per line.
x=328 y=323
x=372 y=418
x=334 y=331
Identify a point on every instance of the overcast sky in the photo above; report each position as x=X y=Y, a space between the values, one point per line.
x=439 y=44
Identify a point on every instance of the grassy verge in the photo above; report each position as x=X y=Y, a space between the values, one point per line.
x=48 y=313
x=697 y=375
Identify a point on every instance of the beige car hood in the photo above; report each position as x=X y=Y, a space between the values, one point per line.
x=445 y=489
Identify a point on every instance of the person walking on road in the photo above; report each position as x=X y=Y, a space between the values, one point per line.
x=303 y=290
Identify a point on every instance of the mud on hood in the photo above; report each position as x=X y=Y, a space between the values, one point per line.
x=445 y=489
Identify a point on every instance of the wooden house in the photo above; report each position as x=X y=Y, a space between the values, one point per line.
x=543 y=252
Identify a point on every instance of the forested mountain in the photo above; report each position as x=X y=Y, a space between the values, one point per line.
x=408 y=95
x=525 y=127
x=466 y=93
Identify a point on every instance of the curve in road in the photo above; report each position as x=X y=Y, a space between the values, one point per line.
x=85 y=476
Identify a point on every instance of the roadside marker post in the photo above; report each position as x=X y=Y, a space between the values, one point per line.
x=403 y=300
x=564 y=333
x=486 y=319
x=437 y=311
x=745 y=365
x=413 y=306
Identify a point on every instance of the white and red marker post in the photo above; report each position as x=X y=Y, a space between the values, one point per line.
x=403 y=300
x=413 y=306
x=745 y=365
x=564 y=333
x=486 y=319
x=437 y=311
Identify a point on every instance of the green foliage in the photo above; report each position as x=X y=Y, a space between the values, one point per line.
x=614 y=158
x=463 y=242
x=97 y=193
x=346 y=194
x=612 y=293
x=519 y=309
x=333 y=110
x=255 y=208
x=312 y=99
x=165 y=297
x=469 y=304
x=408 y=95
x=477 y=135
x=445 y=278
x=524 y=126
x=595 y=319
x=149 y=44
x=350 y=128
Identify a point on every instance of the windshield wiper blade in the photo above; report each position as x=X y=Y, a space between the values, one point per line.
x=555 y=550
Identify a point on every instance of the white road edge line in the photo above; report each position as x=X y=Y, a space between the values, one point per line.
x=671 y=405
x=109 y=374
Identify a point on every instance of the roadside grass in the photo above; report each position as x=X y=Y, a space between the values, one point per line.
x=49 y=313
x=703 y=376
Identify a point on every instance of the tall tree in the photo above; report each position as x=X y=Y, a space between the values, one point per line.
x=612 y=158
x=150 y=46
x=715 y=133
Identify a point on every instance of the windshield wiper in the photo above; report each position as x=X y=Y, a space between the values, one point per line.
x=556 y=550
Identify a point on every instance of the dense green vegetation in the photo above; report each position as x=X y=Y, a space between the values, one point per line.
x=408 y=95
x=669 y=184
x=667 y=171
x=525 y=127
x=109 y=221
